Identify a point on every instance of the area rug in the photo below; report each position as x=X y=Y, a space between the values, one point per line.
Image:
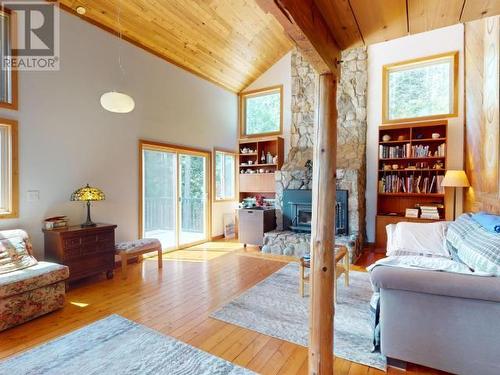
x=275 y=308
x=116 y=345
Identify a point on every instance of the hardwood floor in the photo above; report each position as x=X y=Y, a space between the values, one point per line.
x=177 y=301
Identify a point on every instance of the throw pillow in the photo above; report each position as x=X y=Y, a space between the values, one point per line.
x=426 y=239
x=14 y=255
x=475 y=246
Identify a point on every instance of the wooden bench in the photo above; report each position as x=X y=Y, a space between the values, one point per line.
x=137 y=248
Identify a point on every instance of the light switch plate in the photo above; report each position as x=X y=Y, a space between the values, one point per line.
x=33 y=195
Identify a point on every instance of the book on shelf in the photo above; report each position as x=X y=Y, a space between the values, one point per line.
x=394 y=152
x=421 y=151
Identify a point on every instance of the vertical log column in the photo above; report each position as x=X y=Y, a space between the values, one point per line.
x=323 y=231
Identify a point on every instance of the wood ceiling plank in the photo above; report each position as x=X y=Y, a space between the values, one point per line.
x=380 y=20
x=341 y=21
x=476 y=9
x=425 y=15
x=230 y=43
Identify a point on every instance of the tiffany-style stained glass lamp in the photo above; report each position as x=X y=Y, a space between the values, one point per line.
x=88 y=194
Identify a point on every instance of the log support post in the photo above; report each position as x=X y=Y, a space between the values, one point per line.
x=323 y=231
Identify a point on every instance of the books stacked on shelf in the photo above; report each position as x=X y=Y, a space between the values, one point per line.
x=56 y=222
x=394 y=183
x=429 y=212
x=394 y=152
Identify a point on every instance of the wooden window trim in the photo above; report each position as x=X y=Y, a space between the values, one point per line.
x=236 y=169
x=14 y=175
x=242 y=108
x=385 y=90
x=15 y=93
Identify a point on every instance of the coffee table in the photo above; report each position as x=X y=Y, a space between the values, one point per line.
x=341 y=255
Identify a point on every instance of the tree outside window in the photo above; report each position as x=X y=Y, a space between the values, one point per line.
x=225 y=176
x=421 y=89
x=261 y=112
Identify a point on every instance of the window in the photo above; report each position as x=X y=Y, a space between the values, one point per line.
x=8 y=77
x=8 y=171
x=262 y=112
x=421 y=89
x=225 y=176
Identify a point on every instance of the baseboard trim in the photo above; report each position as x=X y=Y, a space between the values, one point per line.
x=215 y=238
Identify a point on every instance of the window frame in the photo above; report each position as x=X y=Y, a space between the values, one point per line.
x=14 y=74
x=214 y=178
x=255 y=93
x=386 y=69
x=13 y=173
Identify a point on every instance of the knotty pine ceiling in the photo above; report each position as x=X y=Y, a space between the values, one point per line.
x=230 y=43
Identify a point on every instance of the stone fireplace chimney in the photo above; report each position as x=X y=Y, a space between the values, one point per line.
x=351 y=153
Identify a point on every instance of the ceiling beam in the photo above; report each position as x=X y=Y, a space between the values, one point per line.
x=305 y=25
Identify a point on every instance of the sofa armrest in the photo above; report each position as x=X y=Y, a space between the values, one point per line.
x=436 y=282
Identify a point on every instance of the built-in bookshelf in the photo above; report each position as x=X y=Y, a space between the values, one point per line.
x=411 y=166
x=259 y=159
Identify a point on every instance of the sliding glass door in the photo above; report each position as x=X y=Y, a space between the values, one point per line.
x=160 y=196
x=174 y=195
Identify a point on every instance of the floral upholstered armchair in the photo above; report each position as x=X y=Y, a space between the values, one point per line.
x=28 y=288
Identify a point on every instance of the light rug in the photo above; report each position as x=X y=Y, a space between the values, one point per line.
x=116 y=345
x=275 y=308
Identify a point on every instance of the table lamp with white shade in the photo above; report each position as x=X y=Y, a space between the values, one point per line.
x=455 y=179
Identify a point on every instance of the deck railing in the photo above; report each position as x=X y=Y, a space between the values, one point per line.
x=159 y=214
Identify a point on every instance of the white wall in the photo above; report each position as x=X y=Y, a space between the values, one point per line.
x=410 y=47
x=279 y=74
x=67 y=139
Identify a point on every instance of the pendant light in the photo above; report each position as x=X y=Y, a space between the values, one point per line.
x=114 y=101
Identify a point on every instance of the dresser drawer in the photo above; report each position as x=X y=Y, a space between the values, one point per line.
x=90 y=265
x=72 y=253
x=72 y=242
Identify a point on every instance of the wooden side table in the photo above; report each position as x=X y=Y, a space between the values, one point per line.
x=86 y=251
x=341 y=254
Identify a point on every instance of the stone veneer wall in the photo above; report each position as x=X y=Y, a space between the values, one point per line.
x=351 y=135
x=351 y=153
x=294 y=174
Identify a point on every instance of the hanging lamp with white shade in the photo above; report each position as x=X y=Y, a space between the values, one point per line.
x=115 y=101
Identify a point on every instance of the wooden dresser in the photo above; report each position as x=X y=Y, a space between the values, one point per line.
x=86 y=251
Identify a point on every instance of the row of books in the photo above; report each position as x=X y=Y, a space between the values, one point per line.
x=421 y=151
x=394 y=183
x=409 y=151
x=394 y=152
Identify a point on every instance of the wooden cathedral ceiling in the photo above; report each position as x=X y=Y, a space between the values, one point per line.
x=232 y=42
x=228 y=42
x=314 y=24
